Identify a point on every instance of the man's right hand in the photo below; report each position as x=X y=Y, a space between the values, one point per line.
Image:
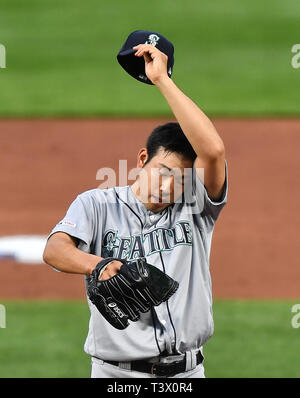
x=110 y=270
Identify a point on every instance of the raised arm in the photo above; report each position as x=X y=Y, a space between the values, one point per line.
x=196 y=126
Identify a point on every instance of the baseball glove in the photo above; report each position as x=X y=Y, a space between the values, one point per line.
x=133 y=290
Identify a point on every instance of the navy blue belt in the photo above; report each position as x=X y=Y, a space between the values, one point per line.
x=160 y=368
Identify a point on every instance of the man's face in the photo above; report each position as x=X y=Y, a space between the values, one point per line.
x=161 y=181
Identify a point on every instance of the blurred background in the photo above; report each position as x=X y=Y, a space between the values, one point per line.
x=68 y=109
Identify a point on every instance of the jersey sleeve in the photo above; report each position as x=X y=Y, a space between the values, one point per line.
x=206 y=206
x=78 y=221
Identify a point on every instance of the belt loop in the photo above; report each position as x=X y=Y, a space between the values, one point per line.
x=190 y=360
x=125 y=365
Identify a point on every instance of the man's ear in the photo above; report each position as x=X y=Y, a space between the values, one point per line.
x=142 y=157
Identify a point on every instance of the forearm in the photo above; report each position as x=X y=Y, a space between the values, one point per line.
x=197 y=127
x=65 y=257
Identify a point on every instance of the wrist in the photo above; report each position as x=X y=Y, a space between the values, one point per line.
x=92 y=265
x=162 y=81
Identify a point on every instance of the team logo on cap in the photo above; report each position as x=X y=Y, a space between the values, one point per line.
x=152 y=39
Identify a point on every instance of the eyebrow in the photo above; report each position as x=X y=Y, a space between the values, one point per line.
x=187 y=179
x=163 y=165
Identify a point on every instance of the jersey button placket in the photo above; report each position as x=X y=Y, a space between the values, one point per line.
x=162 y=317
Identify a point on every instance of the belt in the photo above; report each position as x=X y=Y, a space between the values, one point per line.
x=159 y=368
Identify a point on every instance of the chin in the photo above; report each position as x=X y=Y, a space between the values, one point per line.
x=157 y=207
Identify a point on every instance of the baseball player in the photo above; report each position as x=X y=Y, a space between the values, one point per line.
x=159 y=219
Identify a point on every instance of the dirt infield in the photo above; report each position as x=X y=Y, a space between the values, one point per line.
x=46 y=163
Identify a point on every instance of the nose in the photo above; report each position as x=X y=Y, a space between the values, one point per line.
x=165 y=184
x=165 y=188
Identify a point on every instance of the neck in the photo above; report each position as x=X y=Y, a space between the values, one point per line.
x=136 y=189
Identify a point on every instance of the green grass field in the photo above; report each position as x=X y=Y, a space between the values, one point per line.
x=232 y=58
x=252 y=339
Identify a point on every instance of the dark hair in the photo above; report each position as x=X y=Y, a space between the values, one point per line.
x=171 y=137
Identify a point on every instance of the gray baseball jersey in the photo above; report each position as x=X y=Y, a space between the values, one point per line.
x=114 y=223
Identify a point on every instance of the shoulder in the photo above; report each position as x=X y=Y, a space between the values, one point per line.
x=97 y=195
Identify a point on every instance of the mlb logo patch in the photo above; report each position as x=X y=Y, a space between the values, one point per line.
x=67 y=223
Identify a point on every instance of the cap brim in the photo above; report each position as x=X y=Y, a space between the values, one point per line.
x=134 y=66
x=126 y=52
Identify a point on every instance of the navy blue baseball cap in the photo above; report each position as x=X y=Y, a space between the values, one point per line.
x=135 y=66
